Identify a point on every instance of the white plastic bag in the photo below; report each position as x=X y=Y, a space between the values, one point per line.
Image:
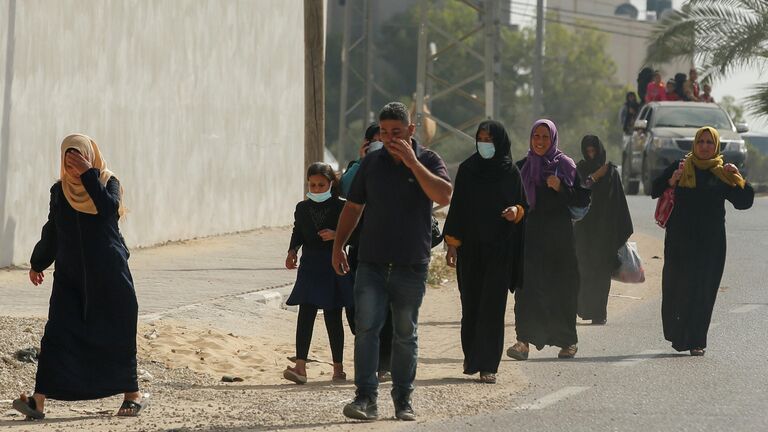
x=631 y=268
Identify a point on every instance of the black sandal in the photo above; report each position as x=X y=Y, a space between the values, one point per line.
x=487 y=378
x=28 y=408
x=133 y=408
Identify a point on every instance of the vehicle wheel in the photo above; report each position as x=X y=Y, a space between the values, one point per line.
x=630 y=187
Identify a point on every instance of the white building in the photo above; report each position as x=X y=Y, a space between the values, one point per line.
x=198 y=107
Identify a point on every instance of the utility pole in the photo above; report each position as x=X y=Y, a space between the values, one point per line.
x=431 y=87
x=314 y=81
x=538 y=106
x=358 y=69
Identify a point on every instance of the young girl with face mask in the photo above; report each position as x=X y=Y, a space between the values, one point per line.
x=317 y=285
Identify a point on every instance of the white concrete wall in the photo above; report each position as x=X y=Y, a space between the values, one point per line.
x=197 y=105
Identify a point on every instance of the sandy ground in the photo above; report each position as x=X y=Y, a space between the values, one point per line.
x=184 y=354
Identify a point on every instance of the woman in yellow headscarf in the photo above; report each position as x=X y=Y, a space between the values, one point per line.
x=694 y=247
x=88 y=350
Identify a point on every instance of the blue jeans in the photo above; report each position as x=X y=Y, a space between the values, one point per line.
x=382 y=289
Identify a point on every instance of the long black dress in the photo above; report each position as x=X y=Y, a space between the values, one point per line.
x=694 y=254
x=599 y=235
x=88 y=350
x=489 y=257
x=545 y=305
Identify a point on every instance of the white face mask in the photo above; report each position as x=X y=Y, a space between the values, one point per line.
x=375 y=145
x=486 y=149
x=320 y=197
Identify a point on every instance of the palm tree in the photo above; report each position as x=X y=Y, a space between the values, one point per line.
x=719 y=35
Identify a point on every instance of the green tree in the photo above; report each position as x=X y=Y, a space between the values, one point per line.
x=736 y=111
x=579 y=94
x=578 y=91
x=720 y=35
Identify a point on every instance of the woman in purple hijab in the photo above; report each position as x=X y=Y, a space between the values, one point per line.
x=545 y=305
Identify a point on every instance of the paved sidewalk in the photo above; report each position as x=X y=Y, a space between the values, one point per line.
x=179 y=274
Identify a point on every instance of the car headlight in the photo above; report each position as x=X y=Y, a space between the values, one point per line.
x=660 y=143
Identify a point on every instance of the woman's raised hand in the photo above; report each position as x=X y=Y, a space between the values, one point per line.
x=327 y=234
x=731 y=168
x=676 y=177
x=78 y=162
x=554 y=183
x=600 y=173
x=510 y=213
x=36 y=278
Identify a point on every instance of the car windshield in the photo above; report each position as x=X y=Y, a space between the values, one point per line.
x=760 y=143
x=692 y=117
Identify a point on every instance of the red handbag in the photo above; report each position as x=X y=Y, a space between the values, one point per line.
x=664 y=205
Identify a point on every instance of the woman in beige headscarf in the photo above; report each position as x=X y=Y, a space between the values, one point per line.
x=88 y=350
x=694 y=247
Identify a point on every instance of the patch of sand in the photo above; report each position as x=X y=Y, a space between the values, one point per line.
x=193 y=347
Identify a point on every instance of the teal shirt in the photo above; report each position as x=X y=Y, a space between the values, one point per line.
x=348 y=177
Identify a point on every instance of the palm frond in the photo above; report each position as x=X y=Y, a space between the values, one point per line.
x=758 y=6
x=757 y=103
x=724 y=34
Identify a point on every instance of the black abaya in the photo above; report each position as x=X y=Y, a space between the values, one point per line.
x=489 y=257
x=694 y=254
x=88 y=350
x=600 y=234
x=545 y=305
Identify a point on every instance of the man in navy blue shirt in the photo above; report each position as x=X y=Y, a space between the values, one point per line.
x=396 y=185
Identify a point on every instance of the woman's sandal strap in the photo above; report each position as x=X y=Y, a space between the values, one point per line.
x=133 y=408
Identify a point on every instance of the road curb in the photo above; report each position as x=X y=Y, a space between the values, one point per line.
x=274 y=296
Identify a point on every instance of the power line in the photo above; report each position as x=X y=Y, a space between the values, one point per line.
x=610 y=19
x=582 y=26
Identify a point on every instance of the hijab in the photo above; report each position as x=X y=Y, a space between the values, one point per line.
x=680 y=80
x=587 y=166
x=554 y=162
x=643 y=78
x=631 y=103
x=73 y=188
x=714 y=165
x=492 y=169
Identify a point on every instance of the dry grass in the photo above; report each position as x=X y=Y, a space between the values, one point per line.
x=439 y=272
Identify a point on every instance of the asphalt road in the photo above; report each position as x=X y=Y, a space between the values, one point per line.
x=626 y=377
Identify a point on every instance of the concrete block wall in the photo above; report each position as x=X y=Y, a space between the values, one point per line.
x=197 y=105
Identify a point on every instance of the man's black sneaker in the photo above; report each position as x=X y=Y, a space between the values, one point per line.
x=362 y=408
x=404 y=411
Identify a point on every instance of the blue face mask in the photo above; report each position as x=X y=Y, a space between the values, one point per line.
x=319 y=197
x=486 y=150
